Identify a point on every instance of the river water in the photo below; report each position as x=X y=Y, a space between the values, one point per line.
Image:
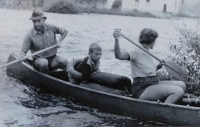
x=25 y=106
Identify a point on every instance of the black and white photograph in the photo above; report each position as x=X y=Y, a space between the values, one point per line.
x=99 y=63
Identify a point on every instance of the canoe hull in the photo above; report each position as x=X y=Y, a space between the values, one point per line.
x=152 y=111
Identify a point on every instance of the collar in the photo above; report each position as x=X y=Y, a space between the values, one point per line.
x=36 y=32
x=143 y=47
x=92 y=61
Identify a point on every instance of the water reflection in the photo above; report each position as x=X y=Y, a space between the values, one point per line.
x=58 y=106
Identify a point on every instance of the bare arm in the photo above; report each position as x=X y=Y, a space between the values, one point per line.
x=118 y=53
x=57 y=30
x=63 y=35
x=121 y=55
x=25 y=46
x=22 y=55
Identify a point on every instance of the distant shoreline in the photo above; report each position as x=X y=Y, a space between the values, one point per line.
x=70 y=8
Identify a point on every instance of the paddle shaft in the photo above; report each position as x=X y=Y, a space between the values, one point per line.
x=148 y=52
x=18 y=60
x=141 y=48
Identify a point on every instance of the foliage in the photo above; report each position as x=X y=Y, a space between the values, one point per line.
x=62 y=7
x=90 y=1
x=117 y=4
x=187 y=55
x=70 y=8
x=114 y=12
x=39 y=4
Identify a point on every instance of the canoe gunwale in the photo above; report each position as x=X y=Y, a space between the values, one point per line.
x=172 y=114
x=109 y=94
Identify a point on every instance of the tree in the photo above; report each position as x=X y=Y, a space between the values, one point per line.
x=39 y=4
x=34 y=3
x=91 y=1
x=117 y=4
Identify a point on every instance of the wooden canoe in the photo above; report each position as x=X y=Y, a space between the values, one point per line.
x=170 y=114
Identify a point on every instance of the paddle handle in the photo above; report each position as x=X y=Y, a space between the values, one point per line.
x=141 y=48
x=18 y=60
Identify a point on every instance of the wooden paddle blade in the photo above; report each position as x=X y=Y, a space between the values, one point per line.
x=176 y=71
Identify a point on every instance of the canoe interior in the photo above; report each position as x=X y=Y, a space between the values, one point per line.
x=63 y=75
x=60 y=74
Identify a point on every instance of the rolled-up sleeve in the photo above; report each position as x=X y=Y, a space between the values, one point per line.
x=132 y=54
x=58 y=30
x=26 y=44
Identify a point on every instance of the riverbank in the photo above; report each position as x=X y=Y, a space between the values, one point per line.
x=67 y=7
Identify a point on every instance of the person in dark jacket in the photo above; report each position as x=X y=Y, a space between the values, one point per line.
x=89 y=65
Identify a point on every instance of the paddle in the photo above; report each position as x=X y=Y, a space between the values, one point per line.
x=172 y=68
x=20 y=60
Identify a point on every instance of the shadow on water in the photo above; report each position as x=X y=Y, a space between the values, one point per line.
x=39 y=98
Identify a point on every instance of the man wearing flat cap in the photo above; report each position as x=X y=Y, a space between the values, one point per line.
x=40 y=37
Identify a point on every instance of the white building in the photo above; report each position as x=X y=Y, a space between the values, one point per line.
x=172 y=6
x=187 y=7
x=190 y=7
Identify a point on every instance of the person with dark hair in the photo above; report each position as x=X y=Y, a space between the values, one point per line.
x=40 y=37
x=146 y=84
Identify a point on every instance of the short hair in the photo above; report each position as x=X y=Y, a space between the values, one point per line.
x=147 y=36
x=94 y=46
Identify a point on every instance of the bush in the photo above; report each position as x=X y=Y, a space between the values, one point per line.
x=70 y=8
x=117 y=4
x=187 y=55
x=114 y=12
x=62 y=7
